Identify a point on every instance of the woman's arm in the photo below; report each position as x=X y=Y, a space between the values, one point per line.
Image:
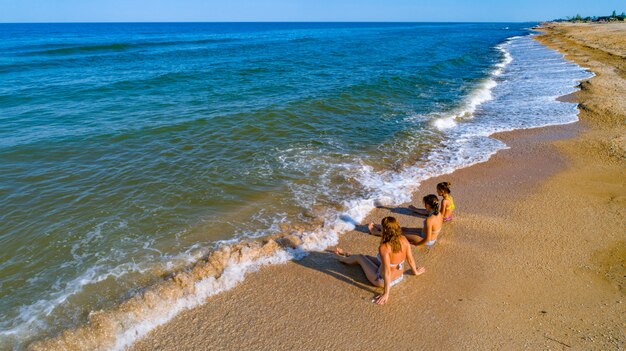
x=410 y=259
x=386 y=260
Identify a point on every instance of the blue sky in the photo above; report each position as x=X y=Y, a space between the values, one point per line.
x=299 y=10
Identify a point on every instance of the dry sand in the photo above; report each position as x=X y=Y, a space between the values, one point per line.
x=534 y=259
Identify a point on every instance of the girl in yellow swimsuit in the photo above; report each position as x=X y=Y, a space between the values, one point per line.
x=447 y=203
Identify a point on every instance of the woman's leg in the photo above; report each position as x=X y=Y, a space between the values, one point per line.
x=413 y=235
x=374 y=259
x=338 y=251
x=369 y=268
x=413 y=239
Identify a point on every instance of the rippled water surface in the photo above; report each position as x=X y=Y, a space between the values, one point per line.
x=128 y=151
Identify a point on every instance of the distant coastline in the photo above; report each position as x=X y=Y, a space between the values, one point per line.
x=614 y=17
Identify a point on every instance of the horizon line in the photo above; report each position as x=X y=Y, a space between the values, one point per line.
x=127 y=22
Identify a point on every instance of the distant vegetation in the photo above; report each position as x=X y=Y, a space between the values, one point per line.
x=614 y=17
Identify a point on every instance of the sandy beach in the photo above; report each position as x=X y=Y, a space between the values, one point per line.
x=534 y=259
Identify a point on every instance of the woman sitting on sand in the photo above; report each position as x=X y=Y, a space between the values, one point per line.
x=447 y=202
x=387 y=269
x=432 y=225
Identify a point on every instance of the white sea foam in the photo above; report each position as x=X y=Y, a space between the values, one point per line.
x=30 y=316
x=232 y=275
x=35 y=316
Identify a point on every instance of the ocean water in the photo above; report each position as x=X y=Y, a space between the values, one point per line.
x=131 y=152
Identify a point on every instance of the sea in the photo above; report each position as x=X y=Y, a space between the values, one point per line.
x=135 y=155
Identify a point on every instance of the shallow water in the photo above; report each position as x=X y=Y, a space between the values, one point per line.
x=129 y=151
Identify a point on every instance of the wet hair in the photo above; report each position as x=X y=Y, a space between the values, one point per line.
x=444 y=187
x=391 y=233
x=433 y=201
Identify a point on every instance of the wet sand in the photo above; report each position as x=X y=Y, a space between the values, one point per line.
x=535 y=258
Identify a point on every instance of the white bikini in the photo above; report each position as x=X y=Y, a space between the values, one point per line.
x=379 y=274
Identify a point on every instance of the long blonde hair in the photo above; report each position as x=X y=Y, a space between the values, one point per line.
x=391 y=233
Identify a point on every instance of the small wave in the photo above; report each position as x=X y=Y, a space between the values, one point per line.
x=479 y=96
x=476 y=98
x=506 y=60
x=30 y=316
x=83 y=49
x=303 y=40
x=69 y=49
x=451 y=63
x=445 y=123
x=223 y=269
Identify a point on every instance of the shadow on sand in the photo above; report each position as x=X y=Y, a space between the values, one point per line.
x=405 y=230
x=327 y=263
x=403 y=211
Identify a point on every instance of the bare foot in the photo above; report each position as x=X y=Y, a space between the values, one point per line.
x=339 y=252
x=420 y=270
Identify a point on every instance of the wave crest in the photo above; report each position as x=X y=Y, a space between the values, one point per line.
x=479 y=96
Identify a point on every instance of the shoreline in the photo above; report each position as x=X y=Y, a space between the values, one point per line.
x=216 y=324
x=296 y=295
x=542 y=290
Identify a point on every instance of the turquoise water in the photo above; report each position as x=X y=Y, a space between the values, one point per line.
x=129 y=151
